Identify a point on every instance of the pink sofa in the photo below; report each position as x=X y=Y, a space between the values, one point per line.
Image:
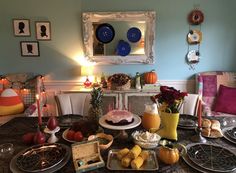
x=208 y=84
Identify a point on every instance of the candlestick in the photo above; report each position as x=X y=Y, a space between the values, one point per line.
x=200 y=113
x=39 y=112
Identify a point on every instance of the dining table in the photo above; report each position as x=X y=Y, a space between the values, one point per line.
x=13 y=130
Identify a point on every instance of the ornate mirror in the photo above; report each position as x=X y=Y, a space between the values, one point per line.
x=119 y=37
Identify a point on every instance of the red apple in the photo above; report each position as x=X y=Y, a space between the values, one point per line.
x=70 y=134
x=39 y=138
x=78 y=136
x=28 y=138
x=52 y=123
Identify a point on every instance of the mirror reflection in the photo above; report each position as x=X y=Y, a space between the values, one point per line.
x=119 y=37
x=121 y=29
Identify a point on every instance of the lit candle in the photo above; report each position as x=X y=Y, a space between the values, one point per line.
x=39 y=113
x=200 y=113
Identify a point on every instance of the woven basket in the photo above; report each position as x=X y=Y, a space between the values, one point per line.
x=114 y=86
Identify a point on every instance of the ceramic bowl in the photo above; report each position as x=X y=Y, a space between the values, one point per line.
x=6 y=150
x=101 y=137
x=146 y=139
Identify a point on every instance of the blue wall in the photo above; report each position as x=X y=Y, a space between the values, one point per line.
x=58 y=55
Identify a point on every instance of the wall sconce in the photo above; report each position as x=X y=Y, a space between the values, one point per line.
x=87 y=71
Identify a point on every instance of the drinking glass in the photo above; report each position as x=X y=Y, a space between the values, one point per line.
x=6 y=150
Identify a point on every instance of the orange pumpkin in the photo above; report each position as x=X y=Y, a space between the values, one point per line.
x=150 y=77
x=168 y=155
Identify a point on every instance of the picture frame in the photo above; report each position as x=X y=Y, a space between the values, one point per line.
x=21 y=27
x=43 y=30
x=29 y=48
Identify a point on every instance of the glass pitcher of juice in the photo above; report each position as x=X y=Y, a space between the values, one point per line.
x=151 y=119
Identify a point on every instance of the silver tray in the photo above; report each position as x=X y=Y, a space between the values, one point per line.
x=17 y=165
x=227 y=132
x=194 y=166
x=151 y=164
x=212 y=157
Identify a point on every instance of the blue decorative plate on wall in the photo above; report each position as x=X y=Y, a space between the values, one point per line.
x=123 y=48
x=105 y=33
x=134 y=34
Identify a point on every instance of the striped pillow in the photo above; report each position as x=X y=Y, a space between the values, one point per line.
x=10 y=103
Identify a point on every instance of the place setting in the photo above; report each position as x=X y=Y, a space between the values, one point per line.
x=230 y=134
x=188 y=122
x=209 y=158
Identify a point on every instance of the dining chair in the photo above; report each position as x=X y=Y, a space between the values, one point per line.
x=190 y=105
x=73 y=103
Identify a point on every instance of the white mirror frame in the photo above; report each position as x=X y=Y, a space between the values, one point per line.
x=148 y=16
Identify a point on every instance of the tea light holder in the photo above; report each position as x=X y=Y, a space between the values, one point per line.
x=198 y=137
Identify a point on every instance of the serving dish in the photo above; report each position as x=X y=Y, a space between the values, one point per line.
x=113 y=163
x=194 y=166
x=227 y=132
x=105 y=140
x=66 y=121
x=146 y=139
x=212 y=157
x=41 y=158
x=187 y=121
x=135 y=123
x=232 y=132
x=64 y=134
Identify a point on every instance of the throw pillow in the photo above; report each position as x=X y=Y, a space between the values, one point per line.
x=226 y=100
x=10 y=102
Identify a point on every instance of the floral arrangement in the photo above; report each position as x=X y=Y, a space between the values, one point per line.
x=169 y=99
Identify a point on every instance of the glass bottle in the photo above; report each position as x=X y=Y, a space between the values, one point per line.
x=137 y=81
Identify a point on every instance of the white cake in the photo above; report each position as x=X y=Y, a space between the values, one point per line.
x=119 y=117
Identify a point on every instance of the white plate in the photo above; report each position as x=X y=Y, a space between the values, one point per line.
x=64 y=136
x=100 y=130
x=135 y=123
x=193 y=56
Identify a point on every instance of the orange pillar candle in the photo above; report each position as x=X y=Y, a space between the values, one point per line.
x=39 y=112
x=200 y=113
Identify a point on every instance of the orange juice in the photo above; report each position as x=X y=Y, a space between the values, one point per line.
x=151 y=119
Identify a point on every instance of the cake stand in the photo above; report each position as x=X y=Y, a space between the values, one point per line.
x=123 y=134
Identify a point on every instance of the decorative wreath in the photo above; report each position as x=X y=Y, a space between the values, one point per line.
x=195 y=17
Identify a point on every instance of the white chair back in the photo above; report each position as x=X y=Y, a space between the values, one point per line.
x=190 y=105
x=73 y=103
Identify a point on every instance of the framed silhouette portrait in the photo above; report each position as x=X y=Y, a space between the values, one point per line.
x=29 y=48
x=21 y=27
x=43 y=30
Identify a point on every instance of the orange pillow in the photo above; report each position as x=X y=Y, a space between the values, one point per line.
x=10 y=103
